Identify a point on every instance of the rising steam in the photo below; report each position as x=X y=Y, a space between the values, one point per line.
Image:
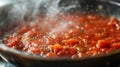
x=32 y=8
x=50 y=8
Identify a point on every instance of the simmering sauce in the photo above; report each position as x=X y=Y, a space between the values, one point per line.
x=67 y=36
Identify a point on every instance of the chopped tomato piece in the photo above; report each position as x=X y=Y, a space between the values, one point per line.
x=116 y=45
x=36 y=50
x=102 y=44
x=55 y=48
x=51 y=55
x=23 y=30
x=71 y=41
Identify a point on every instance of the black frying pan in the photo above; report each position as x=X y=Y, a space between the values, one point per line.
x=104 y=8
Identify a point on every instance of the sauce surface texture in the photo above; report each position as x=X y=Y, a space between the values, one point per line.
x=69 y=36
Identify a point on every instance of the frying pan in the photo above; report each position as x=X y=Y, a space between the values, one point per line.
x=104 y=8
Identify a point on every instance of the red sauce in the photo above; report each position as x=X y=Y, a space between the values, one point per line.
x=70 y=36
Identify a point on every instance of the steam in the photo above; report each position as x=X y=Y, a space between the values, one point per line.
x=31 y=9
x=62 y=27
x=53 y=9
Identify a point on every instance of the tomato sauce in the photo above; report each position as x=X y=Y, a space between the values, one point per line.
x=68 y=36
